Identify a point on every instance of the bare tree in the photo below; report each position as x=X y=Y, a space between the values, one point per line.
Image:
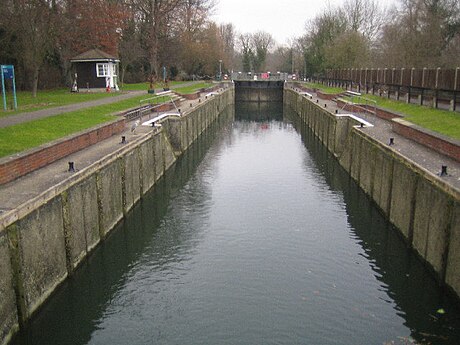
x=154 y=18
x=422 y=33
x=262 y=41
x=31 y=23
x=228 y=37
x=247 y=52
x=365 y=16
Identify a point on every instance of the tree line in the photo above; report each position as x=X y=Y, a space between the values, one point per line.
x=41 y=36
x=363 y=34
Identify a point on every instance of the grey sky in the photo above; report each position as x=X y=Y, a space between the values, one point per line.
x=284 y=19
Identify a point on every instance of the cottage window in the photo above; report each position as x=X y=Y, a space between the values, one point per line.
x=102 y=69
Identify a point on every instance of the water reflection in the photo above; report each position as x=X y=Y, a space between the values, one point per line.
x=147 y=235
x=256 y=236
x=410 y=288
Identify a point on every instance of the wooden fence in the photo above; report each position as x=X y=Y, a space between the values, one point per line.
x=433 y=85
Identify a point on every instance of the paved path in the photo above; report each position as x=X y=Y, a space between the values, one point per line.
x=39 y=114
x=35 y=115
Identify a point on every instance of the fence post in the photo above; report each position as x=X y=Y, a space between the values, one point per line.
x=366 y=81
x=411 y=83
x=420 y=97
x=436 y=86
x=454 y=99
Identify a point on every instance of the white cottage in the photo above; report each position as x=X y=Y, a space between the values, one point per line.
x=95 y=69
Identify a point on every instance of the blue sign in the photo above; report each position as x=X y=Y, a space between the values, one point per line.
x=8 y=71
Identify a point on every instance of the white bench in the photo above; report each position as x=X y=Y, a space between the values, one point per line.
x=353 y=93
x=158 y=118
x=362 y=122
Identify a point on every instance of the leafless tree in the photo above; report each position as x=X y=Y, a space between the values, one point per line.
x=365 y=16
x=31 y=23
x=262 y=41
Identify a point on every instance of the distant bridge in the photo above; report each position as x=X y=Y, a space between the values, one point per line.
x=267 y=76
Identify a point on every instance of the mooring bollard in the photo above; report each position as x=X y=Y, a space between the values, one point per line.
x=443 y=170
x=71 y=167
x=392 y=141
x=123 y=139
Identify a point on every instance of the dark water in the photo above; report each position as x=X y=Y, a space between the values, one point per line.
x=257 y=236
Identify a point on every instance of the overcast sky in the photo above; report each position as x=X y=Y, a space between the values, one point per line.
x=283 y=19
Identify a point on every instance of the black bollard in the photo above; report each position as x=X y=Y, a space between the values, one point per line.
x=123 y=139
x=71 y=167
x=443 y=170
x=392 y=141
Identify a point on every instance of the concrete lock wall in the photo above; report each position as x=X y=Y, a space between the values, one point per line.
x=424 y=209
x=44 y=240
x=259 y=91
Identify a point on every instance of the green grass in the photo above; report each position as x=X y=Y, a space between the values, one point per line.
x=438 y=120
x=49 y=99
x=324 y=88
x=192 y=88
x=145 y=86
x=28 y=135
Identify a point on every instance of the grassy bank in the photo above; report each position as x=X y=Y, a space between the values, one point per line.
x=438 y=120
x=146 y=86
x=192 y=88
x=50 y=99
x=21 y=137
x=324 y=88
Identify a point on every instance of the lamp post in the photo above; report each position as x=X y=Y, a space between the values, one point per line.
x=220 y=70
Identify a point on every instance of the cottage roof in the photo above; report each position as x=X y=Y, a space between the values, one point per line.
x=94 y=55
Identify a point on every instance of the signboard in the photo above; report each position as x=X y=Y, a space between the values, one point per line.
x=7 y=72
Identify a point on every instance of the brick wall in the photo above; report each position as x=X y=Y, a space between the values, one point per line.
x=445 y=146
x=191 y=96
x=12 y=168
x=437 y=142
x=326 y=96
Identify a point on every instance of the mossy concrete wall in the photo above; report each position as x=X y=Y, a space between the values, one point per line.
x=9 y=323
x=43 y=241
x=424 y=208
x=259 y=91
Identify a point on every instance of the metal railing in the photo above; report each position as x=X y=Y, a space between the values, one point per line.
x=357 y=101
x=151 y=105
